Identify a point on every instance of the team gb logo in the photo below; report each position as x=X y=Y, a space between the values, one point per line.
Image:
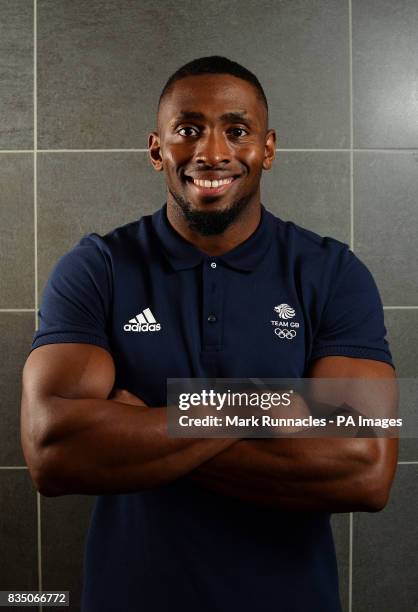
x=285 y=311
x=285 y=329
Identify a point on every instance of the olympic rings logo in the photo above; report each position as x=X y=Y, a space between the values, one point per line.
x=288 y=334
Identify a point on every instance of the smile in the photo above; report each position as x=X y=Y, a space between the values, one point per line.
x=205 y=187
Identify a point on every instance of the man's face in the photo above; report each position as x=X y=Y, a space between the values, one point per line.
x=212 y=128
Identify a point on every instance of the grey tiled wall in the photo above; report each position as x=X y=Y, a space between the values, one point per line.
x=79 y=84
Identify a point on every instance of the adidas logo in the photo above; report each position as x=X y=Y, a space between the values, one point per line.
x=142 y=322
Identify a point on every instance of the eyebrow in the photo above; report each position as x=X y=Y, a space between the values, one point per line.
x=232 y=117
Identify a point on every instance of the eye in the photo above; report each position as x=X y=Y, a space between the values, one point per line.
x=239 y=129
x=185 y=128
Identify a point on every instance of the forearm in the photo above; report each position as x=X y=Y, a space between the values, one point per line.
x=309 y=474
x=333 y=474
x=99 y=446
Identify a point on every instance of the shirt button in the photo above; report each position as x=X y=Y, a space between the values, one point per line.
x=213 y=264
x=212 y=318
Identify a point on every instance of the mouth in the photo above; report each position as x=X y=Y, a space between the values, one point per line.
x=211 y=188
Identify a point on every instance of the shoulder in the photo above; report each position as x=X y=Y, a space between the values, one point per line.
x=119 y=237
x=91 y=261
x=311 y=251
x=305 y=241
x=322 y=264
x=101 y=250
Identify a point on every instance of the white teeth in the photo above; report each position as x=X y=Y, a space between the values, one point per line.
x=213 y=184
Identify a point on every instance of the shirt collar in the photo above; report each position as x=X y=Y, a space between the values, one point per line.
x=183 y=254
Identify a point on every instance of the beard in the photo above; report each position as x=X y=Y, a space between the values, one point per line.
x=210 y=223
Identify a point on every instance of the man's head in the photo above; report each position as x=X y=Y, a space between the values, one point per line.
x=212 y=125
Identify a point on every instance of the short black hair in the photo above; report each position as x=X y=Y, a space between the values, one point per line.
x=214 y=64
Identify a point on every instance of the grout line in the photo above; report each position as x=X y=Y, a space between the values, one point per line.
x=92 y=150
x=17 y=309
x=350 y=563
x=350 y=71
x=407 y=462
x=388 y=150
x=353 y=149
x=400 y=307
x=38 y=527
x=349 y=150
x=350 y=64
x=35 y=236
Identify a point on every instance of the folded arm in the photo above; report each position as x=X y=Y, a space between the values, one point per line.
x=77 y=440
x=312 y=474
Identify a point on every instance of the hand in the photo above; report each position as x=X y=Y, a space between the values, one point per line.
x=126 y=397
x=297 y=409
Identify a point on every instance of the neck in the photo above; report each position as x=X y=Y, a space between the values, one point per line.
x=235 y=234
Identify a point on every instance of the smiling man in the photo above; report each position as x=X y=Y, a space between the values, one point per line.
x=197 y=289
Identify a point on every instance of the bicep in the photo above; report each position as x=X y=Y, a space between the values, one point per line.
x=69 y=370
x=349 y=367
x=374 y=390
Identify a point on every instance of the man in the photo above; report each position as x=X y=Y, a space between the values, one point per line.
x=191 y=291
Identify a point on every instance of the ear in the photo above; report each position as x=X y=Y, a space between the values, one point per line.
x=154 y=151
x=269 y=149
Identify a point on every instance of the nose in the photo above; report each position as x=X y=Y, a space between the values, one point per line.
x=213 y=148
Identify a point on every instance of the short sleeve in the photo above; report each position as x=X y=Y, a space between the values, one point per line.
x=76 y=299
x=352 y=323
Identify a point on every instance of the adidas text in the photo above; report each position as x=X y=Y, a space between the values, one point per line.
x=142 y=327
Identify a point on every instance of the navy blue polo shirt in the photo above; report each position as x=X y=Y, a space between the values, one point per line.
x=164 y=309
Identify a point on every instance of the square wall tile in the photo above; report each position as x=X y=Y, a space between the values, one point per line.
x=16 y=332
x=385 y=550
x=18 y=531
x=65 y=521
x=17 y=285
x=385 y=73
x=402 y=326
x=340 y=524
x=312 y=190
x=81 y=193
x=386 y=222
x=16 y=74
x=102 y=65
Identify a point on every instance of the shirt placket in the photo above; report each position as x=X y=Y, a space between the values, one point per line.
x=212 y=304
